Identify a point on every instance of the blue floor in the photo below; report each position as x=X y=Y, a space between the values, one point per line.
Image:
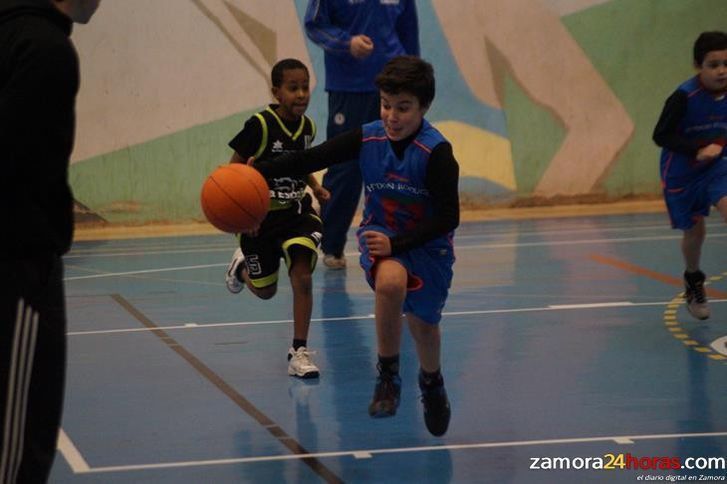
x=564 y=343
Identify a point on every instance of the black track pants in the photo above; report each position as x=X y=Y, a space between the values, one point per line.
x=32 y=367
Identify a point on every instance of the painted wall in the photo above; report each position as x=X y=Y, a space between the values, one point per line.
x=539 y=97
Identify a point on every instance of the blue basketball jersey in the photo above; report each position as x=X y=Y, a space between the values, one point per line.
x=706 y=122
x=395 y=194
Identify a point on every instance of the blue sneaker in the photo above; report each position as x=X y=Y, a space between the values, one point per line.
x=436 y=407
x=386 y=395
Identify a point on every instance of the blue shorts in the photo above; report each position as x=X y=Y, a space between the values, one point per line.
x=430 y=276
x=688 y=203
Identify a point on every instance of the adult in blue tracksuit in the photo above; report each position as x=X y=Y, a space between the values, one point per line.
x=358 y=38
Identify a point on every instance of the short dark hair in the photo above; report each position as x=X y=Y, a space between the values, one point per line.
x=276 y=75
x=708 y=42
x=408 y=73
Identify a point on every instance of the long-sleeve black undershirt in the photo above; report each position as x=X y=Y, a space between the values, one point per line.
x=666 y=133
x=441 y=179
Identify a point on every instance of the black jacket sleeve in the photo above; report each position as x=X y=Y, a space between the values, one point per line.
x=38 y=84
x=442 y=180
x=341 y=148
x=666 y=132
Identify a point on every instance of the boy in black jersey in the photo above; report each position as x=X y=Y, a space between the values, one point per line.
x=292 y=229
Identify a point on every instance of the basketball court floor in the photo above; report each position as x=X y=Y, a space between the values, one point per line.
x=565 y=344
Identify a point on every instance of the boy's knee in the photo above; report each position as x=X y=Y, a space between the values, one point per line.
x=266 y=292
x=722 y=208
x=390 y=288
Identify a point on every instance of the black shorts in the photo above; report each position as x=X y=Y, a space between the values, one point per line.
x=281 y=229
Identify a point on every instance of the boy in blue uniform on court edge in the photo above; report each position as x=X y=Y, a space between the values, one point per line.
x=692 y=131
x=411 y=209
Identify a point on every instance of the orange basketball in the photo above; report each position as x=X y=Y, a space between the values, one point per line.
x=235 y=198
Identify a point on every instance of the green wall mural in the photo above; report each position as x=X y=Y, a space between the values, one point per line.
x=539 y=97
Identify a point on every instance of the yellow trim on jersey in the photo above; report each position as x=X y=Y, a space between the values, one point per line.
x=305 y=242
x=279 y=205
x=265 y=281
x=282 y=125
x=264 y=137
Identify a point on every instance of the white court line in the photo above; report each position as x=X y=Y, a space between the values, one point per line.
x=574 y=230
x=146 y=271
x=457 y=248
x=215 y=325
x=195 y=248
x=157 y=249
x=618 y=304
x=555 y=307
x=368 y=453
x=144 y=252
x=575 y=242
x=72 y=455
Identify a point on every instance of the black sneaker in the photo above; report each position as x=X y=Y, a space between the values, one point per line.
x=695 y=295
x=436 y=407
x=386 y=395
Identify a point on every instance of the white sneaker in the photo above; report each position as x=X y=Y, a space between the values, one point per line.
x=234 y=285
x=333 y=262
x=300 y=364
x=695 y=295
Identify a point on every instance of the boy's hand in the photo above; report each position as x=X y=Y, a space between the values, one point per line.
x=709 y=152
x=321 y=194
x=250 y=161
x=361 y=46
x=251 y=232
x=378 y=244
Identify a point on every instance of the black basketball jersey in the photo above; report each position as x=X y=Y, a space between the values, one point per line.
x=275 y=138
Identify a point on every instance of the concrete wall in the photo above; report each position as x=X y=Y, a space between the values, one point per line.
x=539 y=97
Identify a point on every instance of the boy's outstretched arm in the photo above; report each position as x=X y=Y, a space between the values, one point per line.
x=341 y=148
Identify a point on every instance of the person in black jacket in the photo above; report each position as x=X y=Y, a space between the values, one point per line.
x=39 y=80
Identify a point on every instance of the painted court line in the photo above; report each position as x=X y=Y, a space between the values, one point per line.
x=554 y=307
x=552 y=243
x=71 y=454
x=286 y=440
x=657 y=276
x=458 y=247
x=370 y=453
x=146 y=271
x=144 y=252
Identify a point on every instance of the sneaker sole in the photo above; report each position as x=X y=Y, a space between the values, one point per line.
x=696 y=316
x=382 y=412
x=438 y=431
x=305 y=376
x=700 y=318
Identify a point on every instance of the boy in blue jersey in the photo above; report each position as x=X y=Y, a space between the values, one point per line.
x=411 y=209
x=692 y=132
x=291 y=229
